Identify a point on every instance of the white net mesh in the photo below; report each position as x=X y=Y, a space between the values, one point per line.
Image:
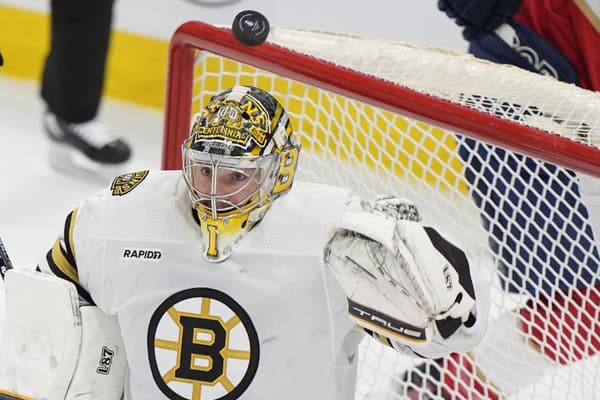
x=543 y=103
x=521 y=220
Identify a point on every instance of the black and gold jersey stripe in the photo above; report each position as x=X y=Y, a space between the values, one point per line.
x=61 y=258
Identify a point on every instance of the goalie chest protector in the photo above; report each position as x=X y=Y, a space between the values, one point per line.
x=267 y=323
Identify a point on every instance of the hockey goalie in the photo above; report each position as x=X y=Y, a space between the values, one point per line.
x=227 y=282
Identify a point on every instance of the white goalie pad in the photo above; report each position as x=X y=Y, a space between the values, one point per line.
x=42 y=335
x=54 y=349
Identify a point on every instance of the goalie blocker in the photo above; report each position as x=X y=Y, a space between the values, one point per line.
x=404 y=281
x=55 y=348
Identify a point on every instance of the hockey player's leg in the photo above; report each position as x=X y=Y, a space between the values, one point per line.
x=453 y=378
x=504 y=363
x=565 y=327
x=545 y=247
x=422 y=382
x=53 y=348
x=522 y=348
x=72 y=85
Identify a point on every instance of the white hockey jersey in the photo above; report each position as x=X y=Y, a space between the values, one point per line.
x=267 y=323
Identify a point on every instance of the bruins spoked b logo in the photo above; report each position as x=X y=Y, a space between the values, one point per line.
x=202 y=345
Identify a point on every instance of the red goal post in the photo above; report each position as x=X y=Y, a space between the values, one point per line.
x=195 y=35
x=385 y=117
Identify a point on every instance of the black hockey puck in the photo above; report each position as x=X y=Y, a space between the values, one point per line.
x=250 y=28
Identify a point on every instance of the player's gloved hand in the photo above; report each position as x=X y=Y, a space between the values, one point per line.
x=516 y=44
x=403 y=280
x=479 y=16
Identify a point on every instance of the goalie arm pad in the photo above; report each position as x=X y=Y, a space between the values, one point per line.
x=404 y=280
x=54 y=348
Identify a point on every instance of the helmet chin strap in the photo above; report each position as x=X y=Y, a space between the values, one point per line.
x=222 y=235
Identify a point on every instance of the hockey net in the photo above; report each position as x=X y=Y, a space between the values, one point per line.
x=486 y=151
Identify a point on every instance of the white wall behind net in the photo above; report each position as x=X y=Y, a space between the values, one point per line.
x=417 y=22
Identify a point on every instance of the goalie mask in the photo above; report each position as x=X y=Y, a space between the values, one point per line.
x=240 y=157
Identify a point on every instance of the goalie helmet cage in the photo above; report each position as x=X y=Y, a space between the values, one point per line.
x=471 y=143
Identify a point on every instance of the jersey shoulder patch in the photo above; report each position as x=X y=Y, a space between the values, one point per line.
x=125 y=183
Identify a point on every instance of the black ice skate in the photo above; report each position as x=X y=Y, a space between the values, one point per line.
x=86 y=147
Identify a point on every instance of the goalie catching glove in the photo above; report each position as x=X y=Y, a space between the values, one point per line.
x=403 y=280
